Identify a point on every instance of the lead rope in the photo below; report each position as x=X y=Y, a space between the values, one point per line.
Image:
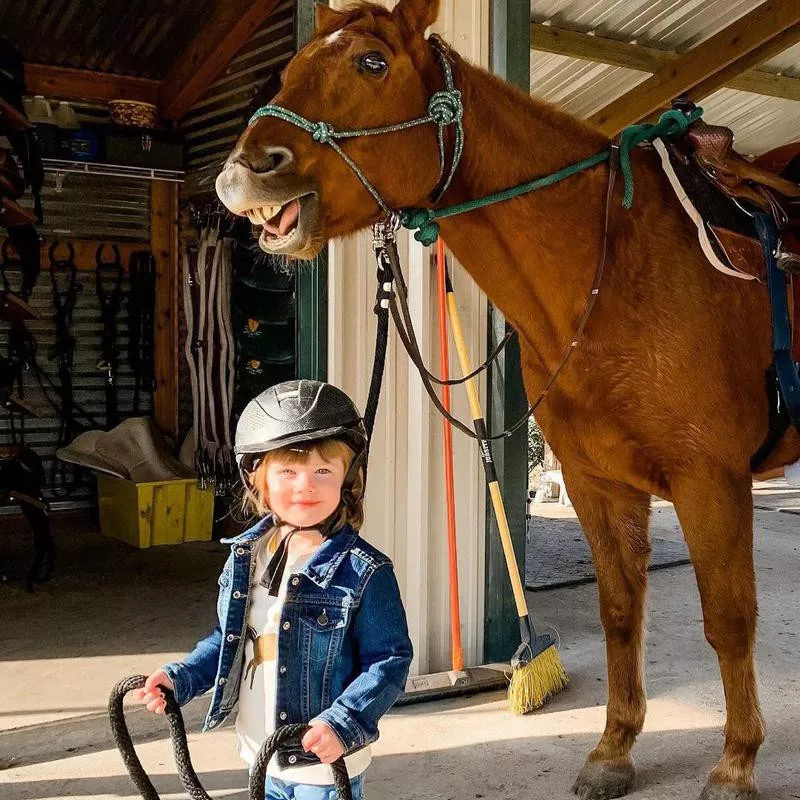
x=386 y=254
x=180 y=749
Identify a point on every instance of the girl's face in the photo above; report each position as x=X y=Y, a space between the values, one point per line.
x=305 y=494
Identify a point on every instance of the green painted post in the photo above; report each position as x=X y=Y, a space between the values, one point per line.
x=312 y=281
x=506 y=402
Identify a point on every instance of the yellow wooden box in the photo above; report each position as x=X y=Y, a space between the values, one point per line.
x=155 y=512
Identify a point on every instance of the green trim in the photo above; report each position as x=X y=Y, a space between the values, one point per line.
x=312 y=320
x=506 y=396
x=312 y=281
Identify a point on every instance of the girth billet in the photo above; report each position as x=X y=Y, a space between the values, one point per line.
x=210 y=355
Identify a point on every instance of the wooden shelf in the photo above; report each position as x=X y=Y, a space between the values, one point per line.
x=14 y=309
x=12 y=215
x=12 y=120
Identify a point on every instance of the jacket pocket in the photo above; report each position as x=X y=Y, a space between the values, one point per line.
x=323 y=628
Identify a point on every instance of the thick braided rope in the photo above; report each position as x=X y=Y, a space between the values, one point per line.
x=177 y=732
x=290 y=733
x=180 y=748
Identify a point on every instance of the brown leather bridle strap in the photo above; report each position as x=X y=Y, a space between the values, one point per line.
x=398 y=302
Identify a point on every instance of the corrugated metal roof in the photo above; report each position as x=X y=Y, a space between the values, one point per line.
x=670 y=24
x=140 y=38
x=214 y=123
x=583 y=87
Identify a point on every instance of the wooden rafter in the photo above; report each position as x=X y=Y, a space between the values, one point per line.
x=602 y=50
x=82 y=84
x=767 y=30
x=232 y=23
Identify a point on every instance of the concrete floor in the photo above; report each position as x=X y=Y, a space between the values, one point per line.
x=111 y=611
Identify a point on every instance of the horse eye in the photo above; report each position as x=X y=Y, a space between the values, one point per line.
x=374 y=63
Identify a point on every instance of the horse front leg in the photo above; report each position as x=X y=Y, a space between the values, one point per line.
x=615 y=519
x=716 y=514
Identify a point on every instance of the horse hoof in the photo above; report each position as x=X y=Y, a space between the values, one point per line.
x=599 y=780
x=718 y=791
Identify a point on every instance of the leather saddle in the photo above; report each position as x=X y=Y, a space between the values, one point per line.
x=723 y=185
x=720 y=188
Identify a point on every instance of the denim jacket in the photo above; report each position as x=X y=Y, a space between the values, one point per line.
x=345 y=666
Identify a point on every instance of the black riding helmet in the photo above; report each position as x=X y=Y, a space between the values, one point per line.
x=299 y=411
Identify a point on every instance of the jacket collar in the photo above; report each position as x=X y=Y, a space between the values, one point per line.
x=324 y=563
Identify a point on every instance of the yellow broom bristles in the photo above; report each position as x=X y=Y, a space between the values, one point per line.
x=533 y=683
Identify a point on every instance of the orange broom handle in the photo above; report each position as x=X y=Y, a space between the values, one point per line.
x=457 y=655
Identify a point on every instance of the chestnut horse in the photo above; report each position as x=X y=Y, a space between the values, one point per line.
x=665 y=394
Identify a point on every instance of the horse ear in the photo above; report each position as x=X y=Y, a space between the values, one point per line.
x=326 y=19
x=416 y=15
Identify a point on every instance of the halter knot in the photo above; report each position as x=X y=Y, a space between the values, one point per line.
x=420 y=220
x=445 y=108
x=322 y=132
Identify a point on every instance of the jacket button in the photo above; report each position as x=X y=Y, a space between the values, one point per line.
x=212 y=723
x=240 y=551
x=286 y=625
x=295 y=581
x=282 y=669
x=282 y=715
x=292 y=759
x=236 y=595
x=230 y=637
x=223 y=681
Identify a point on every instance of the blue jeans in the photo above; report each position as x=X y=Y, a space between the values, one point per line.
x=277 y=789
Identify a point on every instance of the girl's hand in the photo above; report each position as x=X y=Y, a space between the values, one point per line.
x=152 y=695
x=322 y=742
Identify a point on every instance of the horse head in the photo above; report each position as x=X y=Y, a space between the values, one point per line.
x=365 y=68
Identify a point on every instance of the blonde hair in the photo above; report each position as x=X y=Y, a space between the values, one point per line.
x=351 y=508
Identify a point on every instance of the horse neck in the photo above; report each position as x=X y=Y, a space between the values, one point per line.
x=533 y=256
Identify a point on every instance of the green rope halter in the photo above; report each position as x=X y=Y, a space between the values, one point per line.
x=444 y=108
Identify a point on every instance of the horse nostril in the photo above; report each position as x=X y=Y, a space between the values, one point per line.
x=272 y=160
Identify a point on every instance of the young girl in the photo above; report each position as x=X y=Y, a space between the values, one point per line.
x=311 y=625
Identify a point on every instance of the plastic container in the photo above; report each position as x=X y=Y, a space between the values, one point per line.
x=156 y=512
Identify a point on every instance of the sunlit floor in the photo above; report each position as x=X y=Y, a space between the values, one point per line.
x=64 y=647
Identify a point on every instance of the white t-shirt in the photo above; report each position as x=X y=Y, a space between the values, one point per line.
x=256 y=717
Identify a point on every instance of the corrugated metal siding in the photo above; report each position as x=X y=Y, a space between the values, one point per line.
x=583 y=87
x=214 y=123
x=95 y=207
x=41 y=433
x=105 y=209
x=141 y=38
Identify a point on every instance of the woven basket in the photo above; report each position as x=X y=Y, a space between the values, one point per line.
x=134 y=113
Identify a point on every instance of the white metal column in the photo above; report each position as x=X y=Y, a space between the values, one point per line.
x=406 y=494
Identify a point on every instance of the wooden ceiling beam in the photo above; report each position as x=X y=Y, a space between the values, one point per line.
x=231 y=24
x=602 y=50
x=62 y=83
x=773 y=24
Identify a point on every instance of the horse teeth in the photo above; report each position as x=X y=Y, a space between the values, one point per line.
x=262 y=214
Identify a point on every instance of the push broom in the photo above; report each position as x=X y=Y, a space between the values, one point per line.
x=537 y=671
x=458 y=680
